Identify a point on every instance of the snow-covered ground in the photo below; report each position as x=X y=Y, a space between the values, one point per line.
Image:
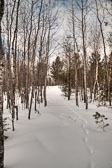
x=61 y=136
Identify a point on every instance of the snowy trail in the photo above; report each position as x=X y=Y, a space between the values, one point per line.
x=83 y=123
x=58 y=138
x=84 y=128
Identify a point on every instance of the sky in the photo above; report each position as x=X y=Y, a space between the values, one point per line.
x=64 y=27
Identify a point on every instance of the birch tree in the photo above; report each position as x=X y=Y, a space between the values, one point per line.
x=104 y=50
x=1 y=90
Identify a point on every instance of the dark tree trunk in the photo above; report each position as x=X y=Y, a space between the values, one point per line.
x=1 y=91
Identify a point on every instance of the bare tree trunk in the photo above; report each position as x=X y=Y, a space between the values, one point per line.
x=14 y=48
x=1 y=91
x=105 y=54
x=84 y=56
x=33 y=61
x=36 y=101
x=69 y=76
x=95 y=88
x=29 y=114
x=29 y=47
x=47 y=55
x=45 y=85
x=75 y=46
x=76 y=87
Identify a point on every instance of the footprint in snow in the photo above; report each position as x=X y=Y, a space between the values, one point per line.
x=91 y=165
x=91 y=151
x=85 y=139
x=72 y=118
x=86 y=132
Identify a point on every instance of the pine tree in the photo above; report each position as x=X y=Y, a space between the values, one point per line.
x=56 y=69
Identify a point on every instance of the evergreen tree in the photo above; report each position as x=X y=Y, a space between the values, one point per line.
x=56 y=70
